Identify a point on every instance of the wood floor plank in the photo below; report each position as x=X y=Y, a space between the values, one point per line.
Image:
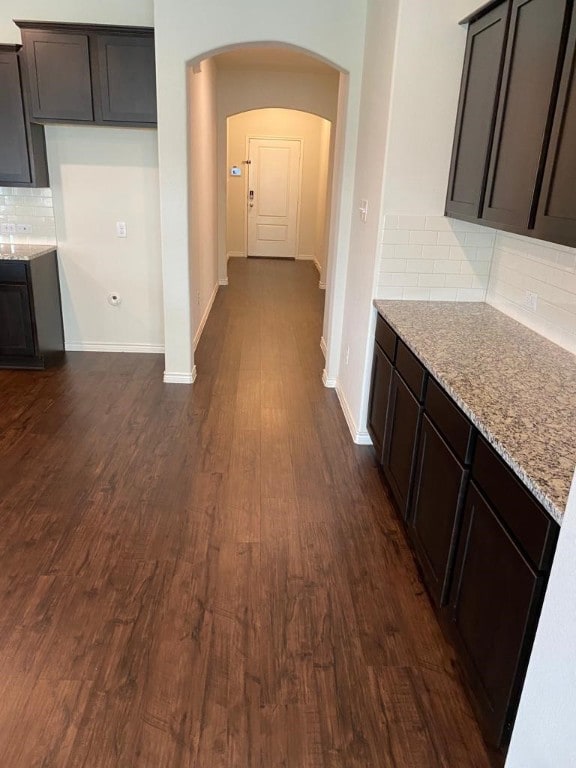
x=206 y=576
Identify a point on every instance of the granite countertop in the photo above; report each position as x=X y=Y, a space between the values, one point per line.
x=10 y=252
x=517 y=388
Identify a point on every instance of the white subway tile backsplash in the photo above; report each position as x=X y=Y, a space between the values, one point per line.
x=432 y=281
x=420 y=265
x=395 y=236
x=416 y=294
x=423 y=237
x=412 y=222
x=28 y=206
x=447 y=266
x=451 y=238
x=471 y=294
x=480 y=239
x=435 y=252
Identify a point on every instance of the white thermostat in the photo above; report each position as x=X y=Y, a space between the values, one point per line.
x=235 y=171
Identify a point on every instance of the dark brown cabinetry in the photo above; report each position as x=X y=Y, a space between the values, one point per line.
x=444 y=452
x=31 y=332
x=382 y=366
x=556 y=216
x=22 y=146
x=512 y=162
x=90 y=73
x=483 y=543
x=475 y=122
x=504 y=555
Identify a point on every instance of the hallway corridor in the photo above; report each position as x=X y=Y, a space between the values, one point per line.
x=212 y=576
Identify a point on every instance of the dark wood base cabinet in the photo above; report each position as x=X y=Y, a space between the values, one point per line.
x=483 y=543
x=31 y=331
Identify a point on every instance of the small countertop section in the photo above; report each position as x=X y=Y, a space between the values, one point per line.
x=517 y=388
x=23 y=252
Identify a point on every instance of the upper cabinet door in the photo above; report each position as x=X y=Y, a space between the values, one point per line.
x=475 y=122
x=534 y=56
x=556 y=219
x=59 y=73
x=14 y=158
x=126 y=70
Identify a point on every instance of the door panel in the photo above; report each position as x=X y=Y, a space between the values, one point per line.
x=16 y=332
x=273 y=199
x=126 y=69
x=535 y=50
x=14 y=163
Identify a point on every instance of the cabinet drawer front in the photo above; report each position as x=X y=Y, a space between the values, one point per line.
x=534 y=530
x=12 y=272
x=386 y=337
x=411 y=370
x=450 y=420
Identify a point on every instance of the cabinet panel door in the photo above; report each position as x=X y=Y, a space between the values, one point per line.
x=493 y=613
x=127 y=75
x=533 y=63
x=14 y=159
x=439 y=482
x=16 y=330
x=556 y=218
x=59 y=74
x=379 y=397
x=476 y=112
x=400 y=440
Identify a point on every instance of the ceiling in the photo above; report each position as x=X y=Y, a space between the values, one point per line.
x=272 y=58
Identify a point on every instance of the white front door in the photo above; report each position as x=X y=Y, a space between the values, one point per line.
x=273 y=197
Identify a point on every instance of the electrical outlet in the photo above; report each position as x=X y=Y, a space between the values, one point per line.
x=7 y=229
x=198 y=298
x=531 y=301
x=23 y=229
x=121 y=229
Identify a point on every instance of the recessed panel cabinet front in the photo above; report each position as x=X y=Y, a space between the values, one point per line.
x=379 y=397
x=534 y=57
x=127 y=78
x=475 y=121
x=59 y=74
x=556 y=219
x=16 y=330
x=14 y=162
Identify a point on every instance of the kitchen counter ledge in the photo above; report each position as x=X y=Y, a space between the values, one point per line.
x=515 y=386
x=10 y=252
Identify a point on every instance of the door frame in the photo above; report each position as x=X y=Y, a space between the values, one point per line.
x=249 y=137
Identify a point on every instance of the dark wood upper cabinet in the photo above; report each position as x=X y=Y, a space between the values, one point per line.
x=534 y=57
x=556 y=217
x=22 y=146
x=90 y=73
x=476 y=112
x=126 y=69
x=59 y=75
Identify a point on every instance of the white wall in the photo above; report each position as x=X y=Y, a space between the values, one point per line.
x=521 y=264
x=99 y=176
x=378 y=61
x=243 y=90
x=203 y=200
x=185 y=30
x=544 y=735
x=279 y=123
x=324 y=199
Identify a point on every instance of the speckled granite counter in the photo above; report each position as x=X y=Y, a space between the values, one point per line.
x=23 y=252
x=516 y=387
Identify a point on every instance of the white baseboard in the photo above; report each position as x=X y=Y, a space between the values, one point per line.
x=323 y=347
x=329 y=383
x=360 y=437
x=236 y=254
x=180 y=378
x=322 y=285
x=205 y=316
x=317 y=265
x=223 y=281
x=106 y=346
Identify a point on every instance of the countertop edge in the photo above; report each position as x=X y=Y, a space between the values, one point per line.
x=547 y=503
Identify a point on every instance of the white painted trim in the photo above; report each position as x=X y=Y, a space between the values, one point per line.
x=306 y=257
x=329 y=383
x=323 y=346
x=236 y=255
x=317 y=265
x=223 y=281
x=322 y=285
x=180 y=378
x=360 y=437
x=205 y=316
x=107 y=346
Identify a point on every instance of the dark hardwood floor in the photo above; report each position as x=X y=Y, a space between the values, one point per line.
x=212 y=576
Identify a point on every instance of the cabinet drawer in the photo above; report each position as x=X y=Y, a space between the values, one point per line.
x=411 y=370
x=386 y=337
x=12 y=272
x=534 y=530
x=450 y=420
